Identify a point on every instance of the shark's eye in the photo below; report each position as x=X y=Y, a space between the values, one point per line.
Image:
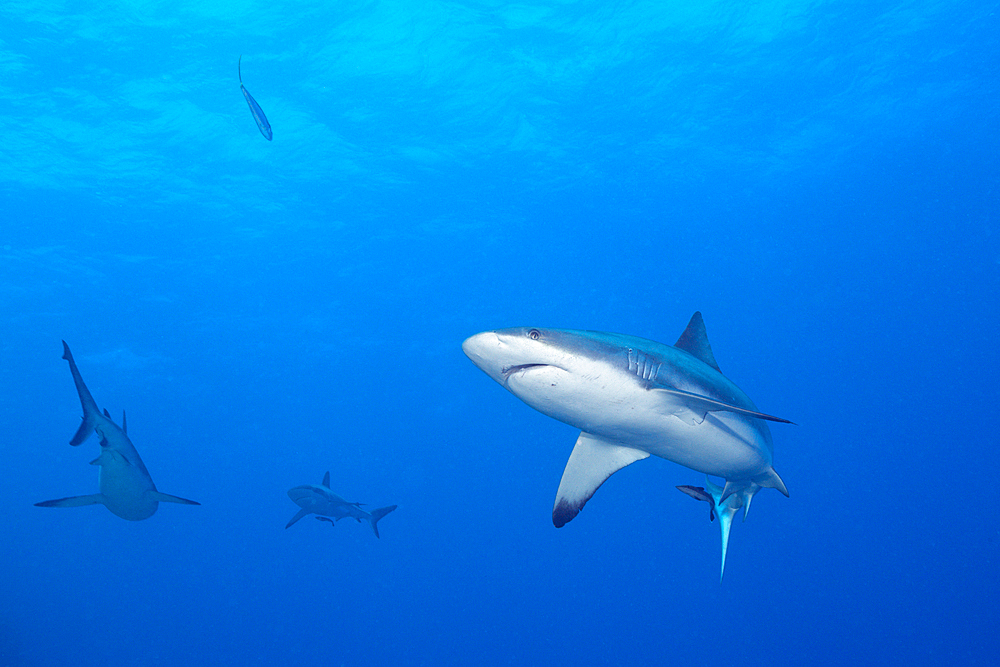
x=534 y=334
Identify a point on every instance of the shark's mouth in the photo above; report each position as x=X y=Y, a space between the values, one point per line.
x=507 y=371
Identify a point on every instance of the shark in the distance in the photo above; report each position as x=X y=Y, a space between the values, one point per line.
x=329 y=506
x=126 y=487
x=633 y=397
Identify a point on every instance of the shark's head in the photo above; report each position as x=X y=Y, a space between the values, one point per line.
x=552 y=370
x=506 y=353
x=526 y=360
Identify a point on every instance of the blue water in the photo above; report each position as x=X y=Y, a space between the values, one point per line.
x=820 y=179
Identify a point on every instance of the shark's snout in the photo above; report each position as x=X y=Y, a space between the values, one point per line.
x=481 y=348
x=487 y=351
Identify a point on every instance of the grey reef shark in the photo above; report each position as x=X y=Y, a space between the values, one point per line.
x=126 y=487
x=631 y=397
x=329 y=506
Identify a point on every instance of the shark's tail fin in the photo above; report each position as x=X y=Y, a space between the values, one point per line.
x=724 y=506
x=378 y=514
x=726 y=510
x=91 y=413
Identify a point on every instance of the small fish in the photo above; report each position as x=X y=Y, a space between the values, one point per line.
x=258 y=113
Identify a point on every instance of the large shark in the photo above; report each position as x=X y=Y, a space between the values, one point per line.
x=126 y=487
x=633 y=397
x=329 y=506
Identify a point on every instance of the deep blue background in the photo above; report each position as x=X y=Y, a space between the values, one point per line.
x=820 y=179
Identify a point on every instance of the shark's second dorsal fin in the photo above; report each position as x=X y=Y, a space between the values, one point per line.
x=326 y=479
x=694 y=341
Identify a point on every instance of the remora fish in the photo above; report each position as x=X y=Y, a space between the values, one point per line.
x=258 y=113
x=633 y=397
x=126 y=487
x=321 y=500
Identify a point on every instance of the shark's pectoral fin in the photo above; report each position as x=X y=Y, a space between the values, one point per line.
x=692 y=408
x=593 y=460
x=75 y=501
x=298 y=515
x=167 y=498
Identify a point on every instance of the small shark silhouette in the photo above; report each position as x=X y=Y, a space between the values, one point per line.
x=321 y=500
x=127 y=490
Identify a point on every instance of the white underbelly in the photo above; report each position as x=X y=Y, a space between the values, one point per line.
x=725 y=444
x=124 y=488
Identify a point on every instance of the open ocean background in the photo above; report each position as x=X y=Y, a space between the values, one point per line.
x=820 y=179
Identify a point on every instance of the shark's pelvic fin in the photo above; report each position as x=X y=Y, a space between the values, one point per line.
x=770 y=480
x=378 y=514
x=75 y=501
x=298 y=515
x=694 y=341
x=167 y=498
x=593 y=460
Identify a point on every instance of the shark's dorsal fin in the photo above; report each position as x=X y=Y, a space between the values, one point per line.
x=124 y=425
x=593 y=460
x=694 y=341
x=326 y=479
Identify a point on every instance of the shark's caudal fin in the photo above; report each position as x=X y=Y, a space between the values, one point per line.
x=74 y=501
x=91 y=413
x=378 y=514
x=725 y=508
x=593 y=460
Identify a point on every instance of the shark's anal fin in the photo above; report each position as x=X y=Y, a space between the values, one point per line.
x=74 y=501
x=167 y=498
x=593 y=460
